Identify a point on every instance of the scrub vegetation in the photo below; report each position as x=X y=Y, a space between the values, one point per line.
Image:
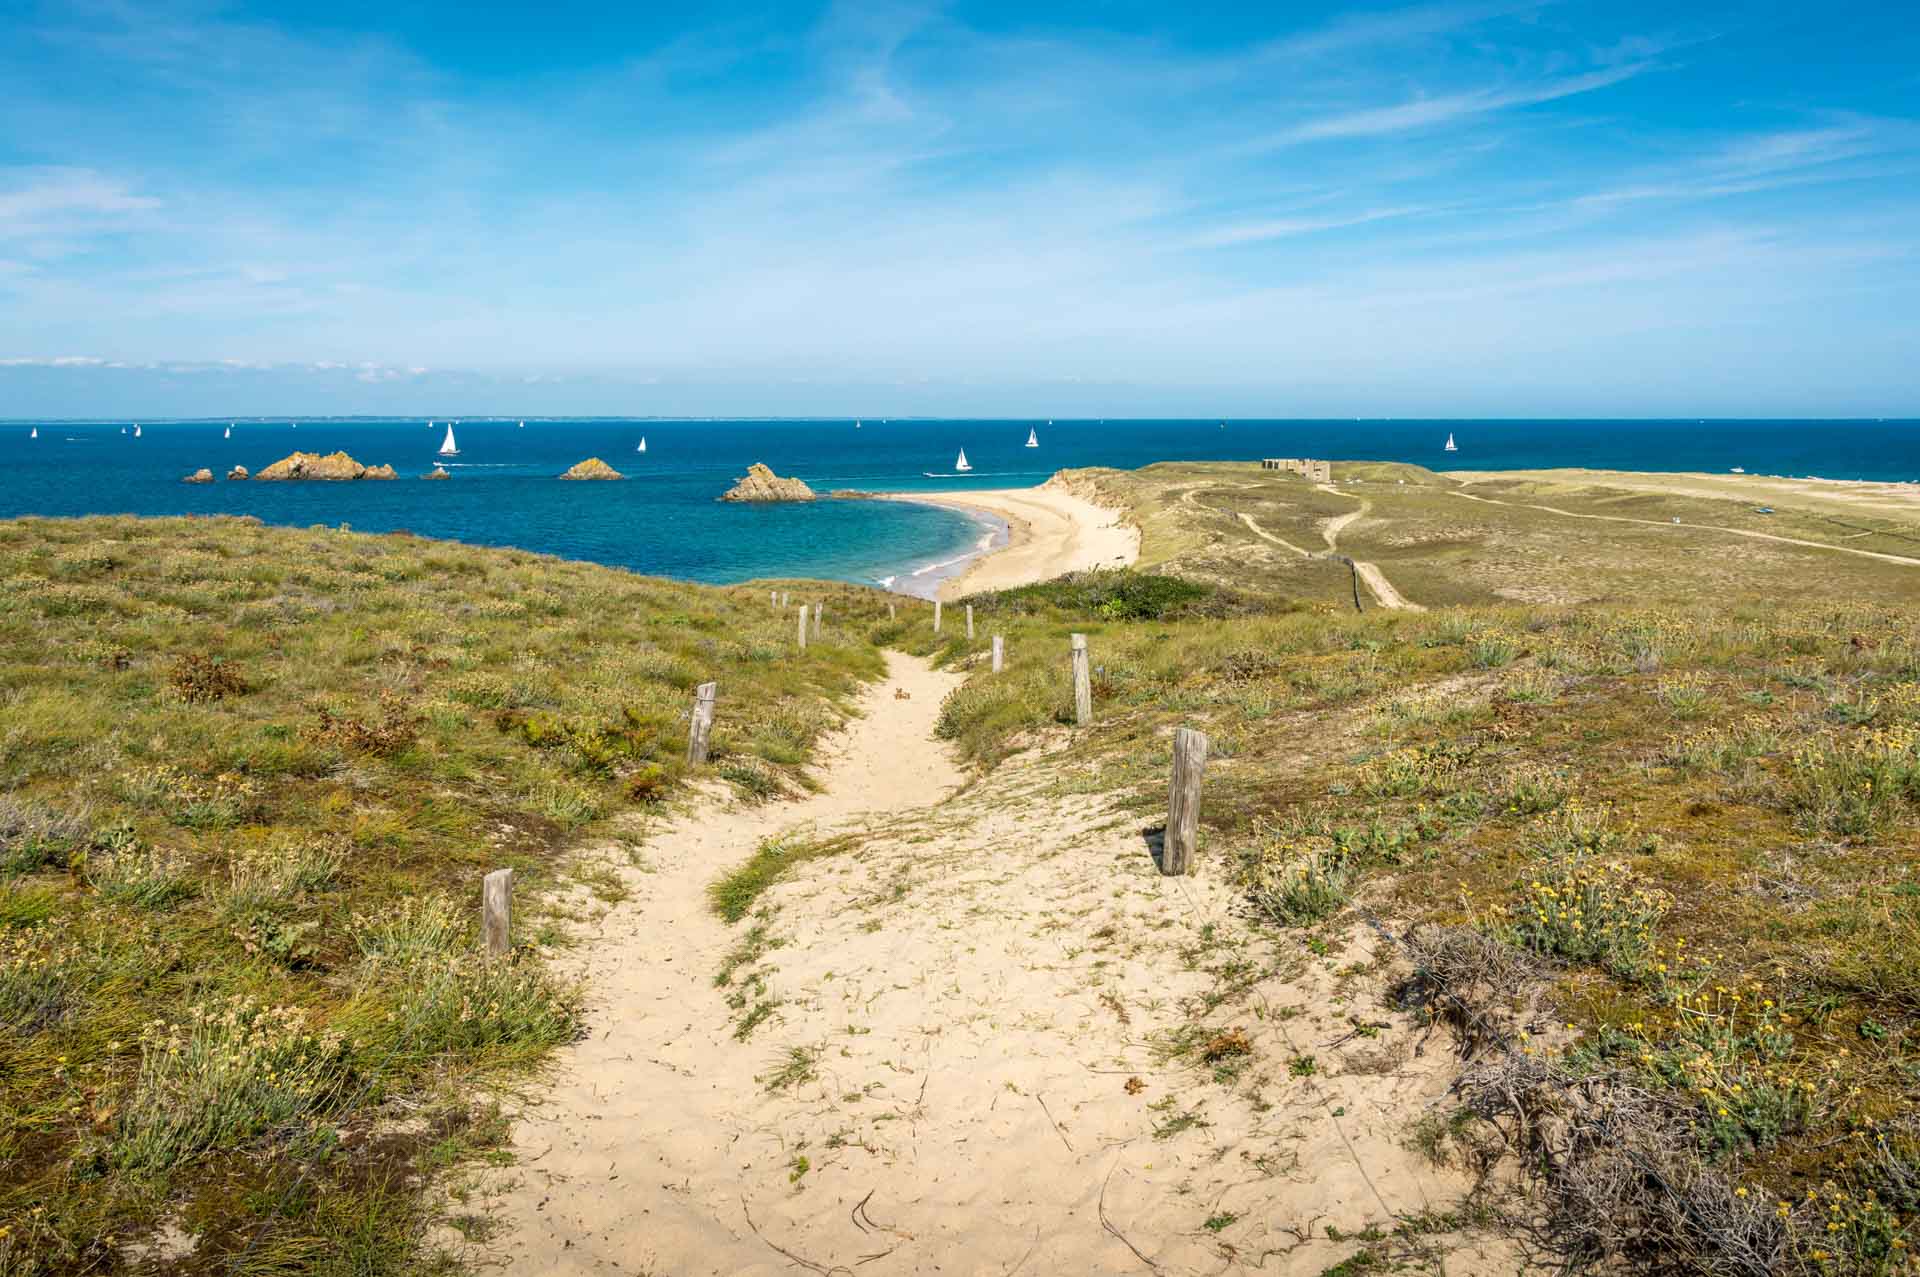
x=249 y=781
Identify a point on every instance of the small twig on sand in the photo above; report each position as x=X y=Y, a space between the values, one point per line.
x=1108 y=1224
x=1056 y=1126
x=805 y=1263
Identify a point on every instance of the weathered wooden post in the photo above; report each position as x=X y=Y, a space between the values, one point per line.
x=803 y=627
x=890 y=615
x=936 y=616
x=496 y=910
x=702 y=723
x=969 y=622
x=773 y=599
x=786 y=598
x=818 y=608
x=1183 y=801
x=1082 y=682
x=999 y=653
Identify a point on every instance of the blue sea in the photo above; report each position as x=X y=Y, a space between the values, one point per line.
x=665 y=519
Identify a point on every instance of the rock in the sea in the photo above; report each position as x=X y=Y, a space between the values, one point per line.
x=202 y=475
x=378 y=472
x=238 y=472
x=438 y=472
x=853 y=494
x=593 y=468
x=311 y=465
x=762 y=484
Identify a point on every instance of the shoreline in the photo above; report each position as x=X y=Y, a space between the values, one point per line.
x=1048 y=532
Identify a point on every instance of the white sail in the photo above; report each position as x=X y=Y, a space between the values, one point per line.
x=523 y=425
x=1451 y=446
x=960 y=463
x=448 y=448
x=643 y=444
x=34 y=433
x=1033 y=437
x=229 y=433
x=136 y=430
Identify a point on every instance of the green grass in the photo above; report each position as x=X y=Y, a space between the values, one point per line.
x=734 y=894
x=249 y=781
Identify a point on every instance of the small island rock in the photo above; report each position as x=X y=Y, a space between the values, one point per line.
x=438 y=472
x=202 y=475
x=238 y=472
x=762 y=484
x=311 y=465
x=593 y=468
x=378 y=472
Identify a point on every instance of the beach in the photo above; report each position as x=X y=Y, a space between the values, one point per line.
x=1047 y=532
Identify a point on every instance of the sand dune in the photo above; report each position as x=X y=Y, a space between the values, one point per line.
x=1050 y=532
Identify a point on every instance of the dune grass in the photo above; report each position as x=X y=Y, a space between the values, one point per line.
x=249 y=780
x=1699 y=822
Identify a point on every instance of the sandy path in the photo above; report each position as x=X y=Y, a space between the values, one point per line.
x=1050 y=532
x=988 y=988
x=1704 y=527
x=1265 y=535
x=638 y=1149
x=1376 y=580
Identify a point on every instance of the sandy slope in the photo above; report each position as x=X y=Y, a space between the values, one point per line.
x=987 y=984
x=1049 y=532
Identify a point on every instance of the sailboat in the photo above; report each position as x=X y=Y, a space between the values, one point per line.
x=1451 y=445
x=856 y=425
x=123 y=430
x=643 y=444
x=448 y=448
x=229 y=433
x=34 y=433
x=523 y=425
x=1033 y=437
x=960 y=463
x=136 y=430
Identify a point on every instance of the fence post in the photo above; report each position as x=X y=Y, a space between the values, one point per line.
x=818 y=608
x=969 y=622
x=786 y=598
x=702 y=723
x=773 y=599
x=890 y=615
x=1183 y=801
x=1082 y=682
x=496 y=910
x=803 y=627
x=936 y=616
x=999 y=653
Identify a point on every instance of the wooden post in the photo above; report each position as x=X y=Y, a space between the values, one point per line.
x=818 y=608
x=702 y=723
x=496 y=910
x=890 y=615
x=786 y=598
x=773 y=599
x=969 y=622
x=803 y=627
x=1082 y=682
x=1183 y=801
x=936 y=616
x=999 y=653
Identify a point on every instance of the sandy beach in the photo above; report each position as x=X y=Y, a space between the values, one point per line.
x=1050 y=532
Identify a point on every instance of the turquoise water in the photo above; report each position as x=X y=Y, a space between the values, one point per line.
x=666 y=520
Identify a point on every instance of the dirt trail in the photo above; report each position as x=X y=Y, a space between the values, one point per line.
x=1705 y=527
x=988 y=997
x=1376 y=580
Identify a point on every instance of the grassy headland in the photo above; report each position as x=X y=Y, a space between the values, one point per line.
x=1656 y=854
x=249 y=780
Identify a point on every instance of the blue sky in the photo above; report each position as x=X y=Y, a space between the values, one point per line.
x=1565 y=209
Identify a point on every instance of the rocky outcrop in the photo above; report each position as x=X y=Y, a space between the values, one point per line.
x=853 y=494
x=438 y=472
x=238 y=472
x=762 y=484
x=311 y=465
x=593 y=468
x=202 y=475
